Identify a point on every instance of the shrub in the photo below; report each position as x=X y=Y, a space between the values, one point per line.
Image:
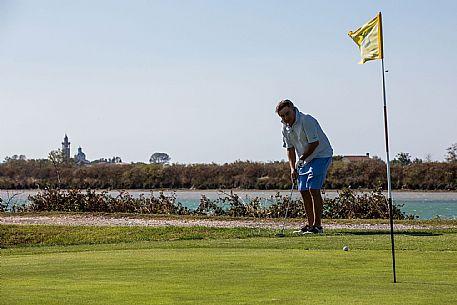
x=76 y=200
x=347 y=204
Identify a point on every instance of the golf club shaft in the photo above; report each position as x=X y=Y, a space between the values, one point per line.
x=288 y=203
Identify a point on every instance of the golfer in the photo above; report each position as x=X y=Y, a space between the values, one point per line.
x=303 y=137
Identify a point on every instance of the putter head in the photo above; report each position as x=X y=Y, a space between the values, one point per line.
x=280 y=235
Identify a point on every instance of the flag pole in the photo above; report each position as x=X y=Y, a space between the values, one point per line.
x=389 y=184
x=370 y=50
x=386 y=134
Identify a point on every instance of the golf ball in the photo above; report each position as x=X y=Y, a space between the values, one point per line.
x=345 y=248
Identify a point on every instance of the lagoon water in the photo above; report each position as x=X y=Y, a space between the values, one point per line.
x=426 y=205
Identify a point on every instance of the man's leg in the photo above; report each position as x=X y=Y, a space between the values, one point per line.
x=308 y=202
x=318 y=207
x=310 y=180
x=315 y=183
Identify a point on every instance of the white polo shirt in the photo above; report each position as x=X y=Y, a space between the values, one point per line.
x=306 y=130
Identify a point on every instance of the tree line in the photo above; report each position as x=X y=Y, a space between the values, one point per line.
x=20 y=173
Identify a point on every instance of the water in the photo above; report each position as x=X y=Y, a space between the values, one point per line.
x=426 y=205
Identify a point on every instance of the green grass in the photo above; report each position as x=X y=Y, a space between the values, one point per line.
x=145 y=265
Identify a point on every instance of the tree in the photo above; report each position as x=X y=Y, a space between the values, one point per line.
x=15 y=158
x=403 y=159
x=428 y=158
x=337 y=158
x=57 y=158
x=159 y=158
x=417 y=161
x=451 y=155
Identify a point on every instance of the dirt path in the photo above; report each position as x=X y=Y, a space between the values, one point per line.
x=97 y=220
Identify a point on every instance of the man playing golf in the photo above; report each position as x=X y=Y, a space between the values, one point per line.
x=304 y=137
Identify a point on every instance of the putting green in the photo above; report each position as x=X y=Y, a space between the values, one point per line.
x=233 y=271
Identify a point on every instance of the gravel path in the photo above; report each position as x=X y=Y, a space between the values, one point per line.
x=96 y=220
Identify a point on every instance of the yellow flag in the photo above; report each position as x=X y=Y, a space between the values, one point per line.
x=369 y=39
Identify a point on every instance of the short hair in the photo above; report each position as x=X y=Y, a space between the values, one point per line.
x=284 y=103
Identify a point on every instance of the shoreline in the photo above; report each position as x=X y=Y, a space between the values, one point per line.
x=147 y=220
x=234 y=189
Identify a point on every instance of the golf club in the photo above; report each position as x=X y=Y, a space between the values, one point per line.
x=287 y=209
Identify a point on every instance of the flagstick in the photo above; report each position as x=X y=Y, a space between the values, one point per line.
x=389 y=185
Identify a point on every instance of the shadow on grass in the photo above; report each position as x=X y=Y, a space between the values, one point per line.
x=409 y=233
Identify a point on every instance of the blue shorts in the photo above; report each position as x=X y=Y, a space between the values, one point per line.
x=312 y=174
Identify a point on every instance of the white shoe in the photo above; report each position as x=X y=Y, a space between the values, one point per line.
x=303 y=230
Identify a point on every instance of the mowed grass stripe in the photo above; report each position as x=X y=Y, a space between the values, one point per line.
x=13 y=236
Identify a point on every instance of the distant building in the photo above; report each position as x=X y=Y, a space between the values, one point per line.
x=66 y=147
x=355 y=158
x=80 y=158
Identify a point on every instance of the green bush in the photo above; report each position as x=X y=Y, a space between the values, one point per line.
x=75 y=200
x=348 y=204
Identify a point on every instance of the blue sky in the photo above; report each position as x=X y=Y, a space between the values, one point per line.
x=200 y=79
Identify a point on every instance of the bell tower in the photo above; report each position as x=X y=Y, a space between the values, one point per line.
x=66 y=147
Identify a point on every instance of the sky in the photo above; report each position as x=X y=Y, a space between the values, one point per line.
x=200 y=80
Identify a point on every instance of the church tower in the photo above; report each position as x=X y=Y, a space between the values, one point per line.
x=66 y=147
